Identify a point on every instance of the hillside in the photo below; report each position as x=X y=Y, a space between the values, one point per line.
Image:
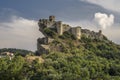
x=59 y=36
x=85 y=59
x=88 y=56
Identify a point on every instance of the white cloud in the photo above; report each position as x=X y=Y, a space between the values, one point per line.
x=108 y=4
x=104 y=20
x=113 y=33
x=19 y=33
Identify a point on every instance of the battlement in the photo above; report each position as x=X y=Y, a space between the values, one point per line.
x=43 y=23
x=52 y=18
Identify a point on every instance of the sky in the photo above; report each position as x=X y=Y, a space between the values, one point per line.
x=19 y=18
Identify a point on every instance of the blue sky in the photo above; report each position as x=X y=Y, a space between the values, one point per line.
x=18 y=19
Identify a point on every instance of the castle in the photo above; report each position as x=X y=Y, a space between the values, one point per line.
x=43 y=43
x=59 y=26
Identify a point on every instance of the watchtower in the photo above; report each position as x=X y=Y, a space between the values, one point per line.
x=52 y=18
x=59 y=27
x=76 y=31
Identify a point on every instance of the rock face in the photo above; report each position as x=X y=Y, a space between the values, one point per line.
x=43 y=44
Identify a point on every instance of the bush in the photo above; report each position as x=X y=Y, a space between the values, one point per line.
x=49 y=32
x=85 y=39
x=67 y=35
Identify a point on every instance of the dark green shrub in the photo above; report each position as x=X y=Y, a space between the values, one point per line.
x=67 y=35
x=49 y=32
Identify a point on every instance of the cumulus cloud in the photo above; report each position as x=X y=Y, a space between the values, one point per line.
x=113 y=33
x=19 y=33
x=113 y=5
x=104 y=20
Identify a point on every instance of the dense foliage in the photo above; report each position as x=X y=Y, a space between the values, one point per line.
x=86 y=59
x=50 y=32
x=67 y=35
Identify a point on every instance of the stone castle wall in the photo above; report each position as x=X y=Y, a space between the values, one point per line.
x=92 y=34
x=76 y=32
x=61 y=28
x=43 y=43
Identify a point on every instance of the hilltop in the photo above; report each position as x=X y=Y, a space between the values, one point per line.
x=66 y=54
x=59 y=36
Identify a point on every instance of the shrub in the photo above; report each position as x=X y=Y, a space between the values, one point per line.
x=67 y=35
x=49 y=32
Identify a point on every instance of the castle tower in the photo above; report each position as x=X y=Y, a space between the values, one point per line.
x=76 y=31
x=100 y=32
x=52 y=18
x=59 y=27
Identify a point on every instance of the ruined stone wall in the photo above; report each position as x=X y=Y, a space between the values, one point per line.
x=49 y=23
x=43 y=43
x=42 y=49
x=52 y=18
x=66 y=27
x=92 y=34
x=43 y=40
x=46 y=23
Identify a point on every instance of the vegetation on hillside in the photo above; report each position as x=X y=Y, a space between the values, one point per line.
x=85 y=59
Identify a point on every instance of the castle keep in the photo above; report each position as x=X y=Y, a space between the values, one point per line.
x=50 y=23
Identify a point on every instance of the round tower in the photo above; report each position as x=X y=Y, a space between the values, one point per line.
x=59 y=27
x=76 y=31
